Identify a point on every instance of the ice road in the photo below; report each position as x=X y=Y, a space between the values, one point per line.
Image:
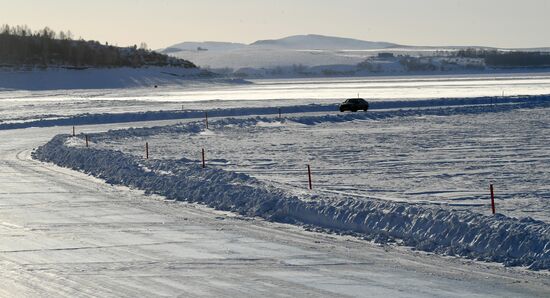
x=66 y=234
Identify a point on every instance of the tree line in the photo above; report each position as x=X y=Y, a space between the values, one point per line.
x=497 y=58
x=20 y=46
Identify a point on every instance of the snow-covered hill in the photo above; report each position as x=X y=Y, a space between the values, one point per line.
x=307 y=50
x=321 y=42
x=317 y=55
x=101 y=78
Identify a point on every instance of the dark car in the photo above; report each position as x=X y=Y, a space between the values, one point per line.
x=354 y=105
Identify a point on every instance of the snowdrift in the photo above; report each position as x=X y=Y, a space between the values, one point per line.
x=511 y=241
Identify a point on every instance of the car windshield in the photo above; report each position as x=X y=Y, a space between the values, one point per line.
x=355 y=101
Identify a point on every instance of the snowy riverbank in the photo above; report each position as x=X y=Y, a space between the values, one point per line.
x=100 y=78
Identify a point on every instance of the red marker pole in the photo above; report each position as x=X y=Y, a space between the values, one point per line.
x=203 y=161
x=146 y=150
x=492 y=198
x=86 y=141
x=309 y=176
x=206 y=119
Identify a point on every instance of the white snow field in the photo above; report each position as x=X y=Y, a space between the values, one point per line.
x=445 y=157
x=66 y=234
x=368 y=228
x=95 y=78
x=440 y=206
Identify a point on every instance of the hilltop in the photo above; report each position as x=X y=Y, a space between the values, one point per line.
x=21 y=47
x=321 y=42
x=315 y=55
x=307 y=50
x=295 y=42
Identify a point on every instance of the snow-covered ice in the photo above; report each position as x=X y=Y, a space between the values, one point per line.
x=95 y=78
x=192 y=94
x=427 y=158
x=69 y=234
x=446 y=156
x=66 y=234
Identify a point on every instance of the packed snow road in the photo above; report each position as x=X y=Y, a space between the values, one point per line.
x=63 y=233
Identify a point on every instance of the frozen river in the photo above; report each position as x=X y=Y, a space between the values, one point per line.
x=65 y=233
x=374 y=88
x=383 y=88
x=447 y=159
x=46 y=104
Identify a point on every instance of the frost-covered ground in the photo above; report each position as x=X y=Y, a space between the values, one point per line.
x=443 y=159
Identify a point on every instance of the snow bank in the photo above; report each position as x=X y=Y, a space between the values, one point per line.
x=97 y=78
x=511 y=241
x=437 y=106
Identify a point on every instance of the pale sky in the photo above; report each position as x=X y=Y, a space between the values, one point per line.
x=160 y=23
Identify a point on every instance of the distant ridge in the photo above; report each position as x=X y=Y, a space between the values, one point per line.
x=297 y=51
x=315 y=42
x=321 y=42
x=295 y=42
x=307 y=50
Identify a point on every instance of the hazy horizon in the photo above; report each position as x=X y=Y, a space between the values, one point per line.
x=504 y=24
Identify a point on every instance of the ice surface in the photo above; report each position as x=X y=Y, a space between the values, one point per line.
x=67 y=234
x=434 y=160
x=220 y=109
x=435 y=157
x=29 y=106
x=24 y=106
